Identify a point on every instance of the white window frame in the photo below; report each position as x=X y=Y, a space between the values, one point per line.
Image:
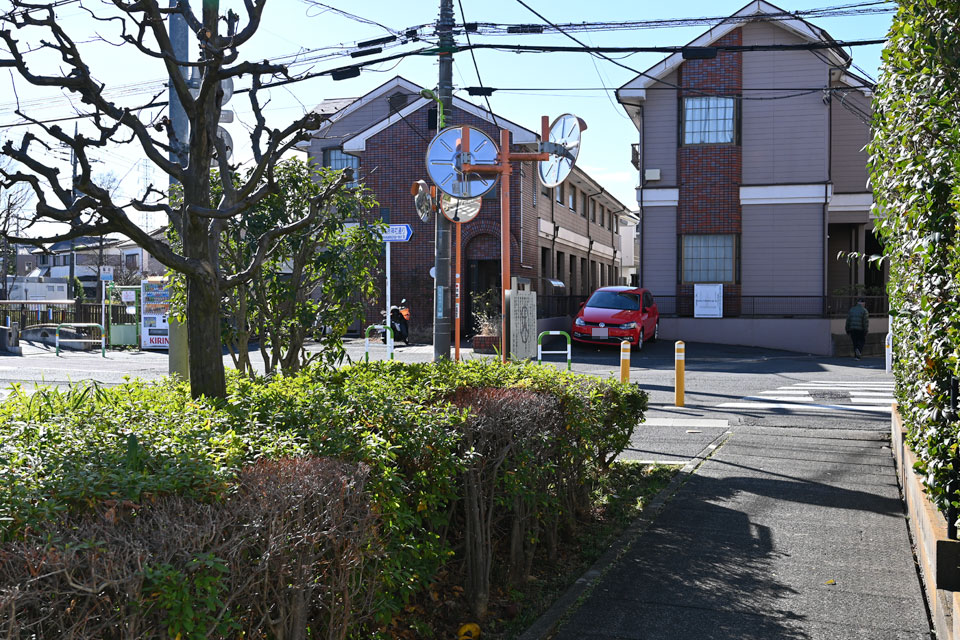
x=335 y=158
x=708 y=258
x=709 y=120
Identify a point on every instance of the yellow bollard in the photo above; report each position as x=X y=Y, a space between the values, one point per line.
x=680 y=357
x=625 y=361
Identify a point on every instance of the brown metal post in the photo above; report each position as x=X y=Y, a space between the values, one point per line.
x=503 y=167
x=505 y=170
x=456 y=321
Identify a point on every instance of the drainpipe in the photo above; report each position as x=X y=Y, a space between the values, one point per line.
x=640 y=181
x=826 y=190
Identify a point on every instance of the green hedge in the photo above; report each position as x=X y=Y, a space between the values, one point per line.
x=915 y=175
x=415 y=433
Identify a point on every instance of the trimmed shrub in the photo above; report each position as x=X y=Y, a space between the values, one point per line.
x=915 y=175
x=290 y=549
x=441 y=464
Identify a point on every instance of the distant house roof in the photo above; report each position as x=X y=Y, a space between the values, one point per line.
x=160 y=233
x=338 y=108
x=635 y=90
x=82 y=243
x=333 y=105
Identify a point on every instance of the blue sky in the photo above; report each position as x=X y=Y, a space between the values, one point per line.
x=292 y=26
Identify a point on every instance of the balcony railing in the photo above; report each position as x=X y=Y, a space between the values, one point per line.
x=36 y=312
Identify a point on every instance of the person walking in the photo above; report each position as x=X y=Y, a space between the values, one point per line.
x=858 y=322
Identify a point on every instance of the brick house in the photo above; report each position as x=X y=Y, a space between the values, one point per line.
x=564 y=243
x=753 y=175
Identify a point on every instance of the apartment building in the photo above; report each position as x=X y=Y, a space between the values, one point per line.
x=752 y=175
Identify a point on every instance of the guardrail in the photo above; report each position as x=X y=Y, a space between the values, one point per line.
x=366 y=341
x=77 y=325
x=568 y=352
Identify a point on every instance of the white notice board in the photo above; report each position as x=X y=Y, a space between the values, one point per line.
x=523 y=324
x=708 y=301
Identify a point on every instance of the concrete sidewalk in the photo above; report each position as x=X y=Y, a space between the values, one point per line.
x=781 y=533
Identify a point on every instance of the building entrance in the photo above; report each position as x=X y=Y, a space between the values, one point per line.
x=481 y=293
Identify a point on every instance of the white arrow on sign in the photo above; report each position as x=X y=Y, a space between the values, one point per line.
x=398 y=233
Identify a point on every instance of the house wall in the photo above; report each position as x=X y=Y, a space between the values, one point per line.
x=659 y=243
x=393 y=159
x=784 y=140
x=779 y=250
x=849 y=136
x=660 y=132
x=791 y=334
x=710 y=174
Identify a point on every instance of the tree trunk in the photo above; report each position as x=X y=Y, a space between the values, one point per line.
x=203 y=330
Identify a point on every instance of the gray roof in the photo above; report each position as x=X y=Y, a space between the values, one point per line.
x=331 y=106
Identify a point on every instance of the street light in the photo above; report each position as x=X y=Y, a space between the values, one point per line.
x=430 y=95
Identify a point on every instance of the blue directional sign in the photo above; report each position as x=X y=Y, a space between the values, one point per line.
x=397 y=233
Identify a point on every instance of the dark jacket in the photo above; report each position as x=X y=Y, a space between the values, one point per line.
x=858 y=319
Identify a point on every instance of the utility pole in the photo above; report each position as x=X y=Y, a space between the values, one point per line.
x=71 y=289
x=441 y=316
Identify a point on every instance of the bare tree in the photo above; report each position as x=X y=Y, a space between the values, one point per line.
x=29 y=30
x=13 y=203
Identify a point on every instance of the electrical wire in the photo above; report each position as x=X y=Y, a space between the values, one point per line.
x=729 y=48
x=856 y=9
x=477 y=69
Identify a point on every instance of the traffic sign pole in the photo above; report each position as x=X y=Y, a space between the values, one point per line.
x=386 y=320
x=394 y=233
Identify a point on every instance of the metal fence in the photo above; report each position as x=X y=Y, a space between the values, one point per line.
x=552 y=306
x=736 y=306
x=36 y=312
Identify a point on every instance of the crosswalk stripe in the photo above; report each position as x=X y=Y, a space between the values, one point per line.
x=686 y=422
x=782 y=390
x=889 y=383
x=876 y=394
x=779 y=398
x=824 y=407
x=884 y=401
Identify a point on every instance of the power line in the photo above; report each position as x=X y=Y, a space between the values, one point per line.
x=486 y=96
x=478 y=91
x=730 y=48
x=856 y=9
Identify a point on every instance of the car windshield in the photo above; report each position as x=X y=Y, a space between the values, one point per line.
x=614 y=300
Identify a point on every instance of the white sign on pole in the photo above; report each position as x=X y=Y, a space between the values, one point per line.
x=128 y=295
x=398 y=233
x=708 y=301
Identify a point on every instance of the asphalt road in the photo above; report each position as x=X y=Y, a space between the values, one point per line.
x=725 y=385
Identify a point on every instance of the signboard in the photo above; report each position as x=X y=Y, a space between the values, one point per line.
x=398 y=233
x=708 y=301
x=127 y=295
x=523 y=325
x=155 y=300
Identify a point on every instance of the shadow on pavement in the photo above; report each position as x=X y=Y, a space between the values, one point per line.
x=707 y=568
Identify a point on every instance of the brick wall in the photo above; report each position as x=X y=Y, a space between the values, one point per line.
x=395 y=158
x=709 y=176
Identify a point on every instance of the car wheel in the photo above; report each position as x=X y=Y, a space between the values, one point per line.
x=656 y=332
x=640 y=340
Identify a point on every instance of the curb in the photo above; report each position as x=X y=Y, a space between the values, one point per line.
x=547 y=623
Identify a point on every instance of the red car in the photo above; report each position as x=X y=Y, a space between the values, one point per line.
x=615 y=314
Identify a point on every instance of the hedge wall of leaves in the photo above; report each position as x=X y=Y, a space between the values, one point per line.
x=915 y=176
x=325 y=500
